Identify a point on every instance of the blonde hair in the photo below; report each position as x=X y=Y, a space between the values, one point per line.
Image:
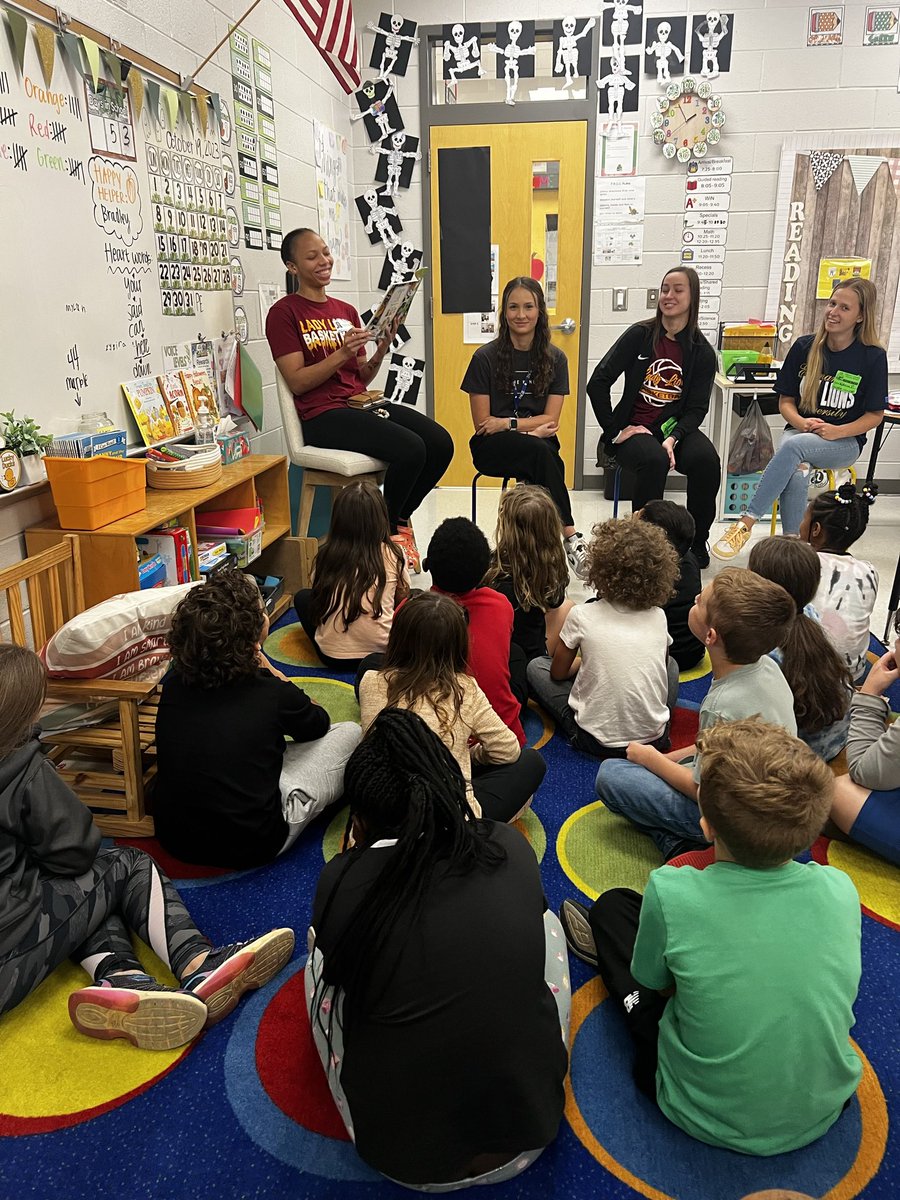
x=764 y=792
x=529 y=548
x=632 y=563
x=866 y=333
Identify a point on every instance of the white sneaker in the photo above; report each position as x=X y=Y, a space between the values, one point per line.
x=732 y=541
x=576 y=553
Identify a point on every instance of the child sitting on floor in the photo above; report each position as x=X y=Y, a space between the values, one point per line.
x=816 y=673
x=62 y=896
x=229 y=793
x=458 y=559
x=424 y=670
x=737 y=982
x=678 y=525
x=848 y=586
x=359 y=578
x=740 y=617
x=618 y=691
x=529 y=568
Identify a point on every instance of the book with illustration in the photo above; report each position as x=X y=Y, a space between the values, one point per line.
x=199 y=390
x=176 y=401
x=149 y=408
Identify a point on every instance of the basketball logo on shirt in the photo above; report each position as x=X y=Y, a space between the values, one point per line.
x=326 y=335
x=662 y=382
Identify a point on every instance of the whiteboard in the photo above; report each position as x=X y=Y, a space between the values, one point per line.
x=91 y=243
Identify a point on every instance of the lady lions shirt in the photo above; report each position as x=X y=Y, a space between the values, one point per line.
x=853 y=381
x=316 y=330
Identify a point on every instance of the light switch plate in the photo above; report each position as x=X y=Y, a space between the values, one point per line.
x=620 y=299
x=652 y=297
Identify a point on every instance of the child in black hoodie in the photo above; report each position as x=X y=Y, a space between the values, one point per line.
x=678 y=525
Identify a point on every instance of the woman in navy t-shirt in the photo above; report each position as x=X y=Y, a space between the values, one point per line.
x=831 y=391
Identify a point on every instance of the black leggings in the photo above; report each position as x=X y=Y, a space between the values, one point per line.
x=90 y=919
x=534 y=459
x=416 y=449
x=695 y=457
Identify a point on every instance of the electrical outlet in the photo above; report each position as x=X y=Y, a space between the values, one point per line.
x=652 y=297
x=620 y=299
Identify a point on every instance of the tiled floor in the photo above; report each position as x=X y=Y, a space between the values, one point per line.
x=880 y=544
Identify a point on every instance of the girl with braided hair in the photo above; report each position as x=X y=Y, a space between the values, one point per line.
x=848 y=586
x=437 y=982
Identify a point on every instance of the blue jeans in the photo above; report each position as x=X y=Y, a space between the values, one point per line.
x=783 y=481
x=666 y=815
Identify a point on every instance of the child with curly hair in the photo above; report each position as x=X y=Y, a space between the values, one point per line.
x=229 y=792
x=608 y=682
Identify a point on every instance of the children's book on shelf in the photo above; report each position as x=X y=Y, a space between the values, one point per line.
x=174 y=547
x=149 y=408
x=176 y=401
x=198 y=389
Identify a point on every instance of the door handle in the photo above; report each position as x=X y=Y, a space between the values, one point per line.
x=569 y=325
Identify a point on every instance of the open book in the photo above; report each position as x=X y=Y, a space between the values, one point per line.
x=394 y=306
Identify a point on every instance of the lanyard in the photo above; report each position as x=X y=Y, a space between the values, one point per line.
x=518 y=390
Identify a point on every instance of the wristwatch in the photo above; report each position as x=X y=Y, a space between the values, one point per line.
x=514 y=422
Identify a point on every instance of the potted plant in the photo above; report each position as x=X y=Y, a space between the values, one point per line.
x=23 y=436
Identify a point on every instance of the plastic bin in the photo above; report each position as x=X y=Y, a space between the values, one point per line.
x=92 y=492
x=739 y=492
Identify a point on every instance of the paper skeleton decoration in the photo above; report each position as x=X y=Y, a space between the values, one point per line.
x=618 y=28
x=404 y=376
x=512 y=66
x=618 y=90
x=396 y=156
x=461 y=51
x=380 y=217
x=400 y=263
x=378 y=110
x=401 y=337
x=573 y=54
x=711 y=45
x=395 y=37
x=662 y=44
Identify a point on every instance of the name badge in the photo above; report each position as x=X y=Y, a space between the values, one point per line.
x=846 y=381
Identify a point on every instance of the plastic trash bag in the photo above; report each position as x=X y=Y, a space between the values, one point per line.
x=751 y=447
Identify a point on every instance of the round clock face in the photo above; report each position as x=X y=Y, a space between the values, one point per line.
x=688 y=120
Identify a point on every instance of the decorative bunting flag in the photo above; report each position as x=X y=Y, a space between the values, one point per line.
x=46 y=46
x=136 y=88
x=126 y=67
x=203 y=112
x=72 y=46
x=824 y=163
x=329 y=26
x=216 y=103
x=92 y=52
x=862 y=168
x=153 y=99
x=18 y=32
x=170 y=102
x=187 y=107
x=114 y=66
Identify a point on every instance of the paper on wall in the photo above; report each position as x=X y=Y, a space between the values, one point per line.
x=619 y=206
x=481 y=327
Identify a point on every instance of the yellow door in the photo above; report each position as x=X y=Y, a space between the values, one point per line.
x=532 y=222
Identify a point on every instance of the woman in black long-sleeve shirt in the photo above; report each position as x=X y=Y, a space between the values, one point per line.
x=668 y=366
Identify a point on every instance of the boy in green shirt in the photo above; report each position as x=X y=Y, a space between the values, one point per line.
x=738 y=981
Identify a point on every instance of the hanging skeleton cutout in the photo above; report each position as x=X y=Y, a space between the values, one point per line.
x=618 y=26
x=462 y=53
x=394 y=38
x=508 y=44
x=618 y=91
x=378 y=109
x=662 y=47
x=573 y=55
x=380 y=217
x=404 y=376
x=711 y=47
x=396 y=156
x=400 y=265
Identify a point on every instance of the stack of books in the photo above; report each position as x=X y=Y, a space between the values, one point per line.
x=89 y=445
x=240 y=528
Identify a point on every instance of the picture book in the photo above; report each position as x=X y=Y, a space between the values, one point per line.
x=198 y=389
x=176 y=401
x=149 y=408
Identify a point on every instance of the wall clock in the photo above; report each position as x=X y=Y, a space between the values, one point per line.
x=688 y=119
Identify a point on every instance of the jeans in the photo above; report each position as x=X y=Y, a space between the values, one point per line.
x=783 y=481
x=666 y=815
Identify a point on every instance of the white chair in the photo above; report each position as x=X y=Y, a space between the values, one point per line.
x=321 y=468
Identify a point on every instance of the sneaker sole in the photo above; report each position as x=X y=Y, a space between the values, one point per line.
x=579 y=937
x=252 y=968
x=149 y=1020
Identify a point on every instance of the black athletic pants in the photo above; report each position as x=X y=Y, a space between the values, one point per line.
x=614 y=923
x=695 y=457
x=416 y=449
x=534 y=459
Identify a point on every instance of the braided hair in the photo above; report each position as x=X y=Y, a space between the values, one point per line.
x=842 y=515
x=401 y=782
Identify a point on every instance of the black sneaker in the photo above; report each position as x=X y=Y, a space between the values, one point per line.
x=138 y=1008
x=229 y=971
x=701 y=553
x=577 y=928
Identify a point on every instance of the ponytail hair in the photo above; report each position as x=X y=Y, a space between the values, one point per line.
x=815 y=672
x=866 y=333
x=842 y=515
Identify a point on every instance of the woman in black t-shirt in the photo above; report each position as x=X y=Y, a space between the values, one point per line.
x=517 y=384
x=831 y=391
x=443 y=1040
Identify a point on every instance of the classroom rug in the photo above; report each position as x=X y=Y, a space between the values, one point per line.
x=245 y=1112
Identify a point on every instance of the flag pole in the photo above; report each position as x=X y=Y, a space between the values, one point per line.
x=186 y=83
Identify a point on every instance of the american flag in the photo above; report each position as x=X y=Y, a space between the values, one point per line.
x=329 y=26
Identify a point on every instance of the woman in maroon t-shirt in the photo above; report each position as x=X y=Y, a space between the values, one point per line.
x=319 y=348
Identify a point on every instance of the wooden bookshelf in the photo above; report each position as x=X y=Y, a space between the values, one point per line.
x=109 y=556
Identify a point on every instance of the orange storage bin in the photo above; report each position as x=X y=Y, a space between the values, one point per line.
x=92 y=492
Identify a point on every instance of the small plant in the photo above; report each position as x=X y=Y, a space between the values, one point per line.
x=23 y=435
